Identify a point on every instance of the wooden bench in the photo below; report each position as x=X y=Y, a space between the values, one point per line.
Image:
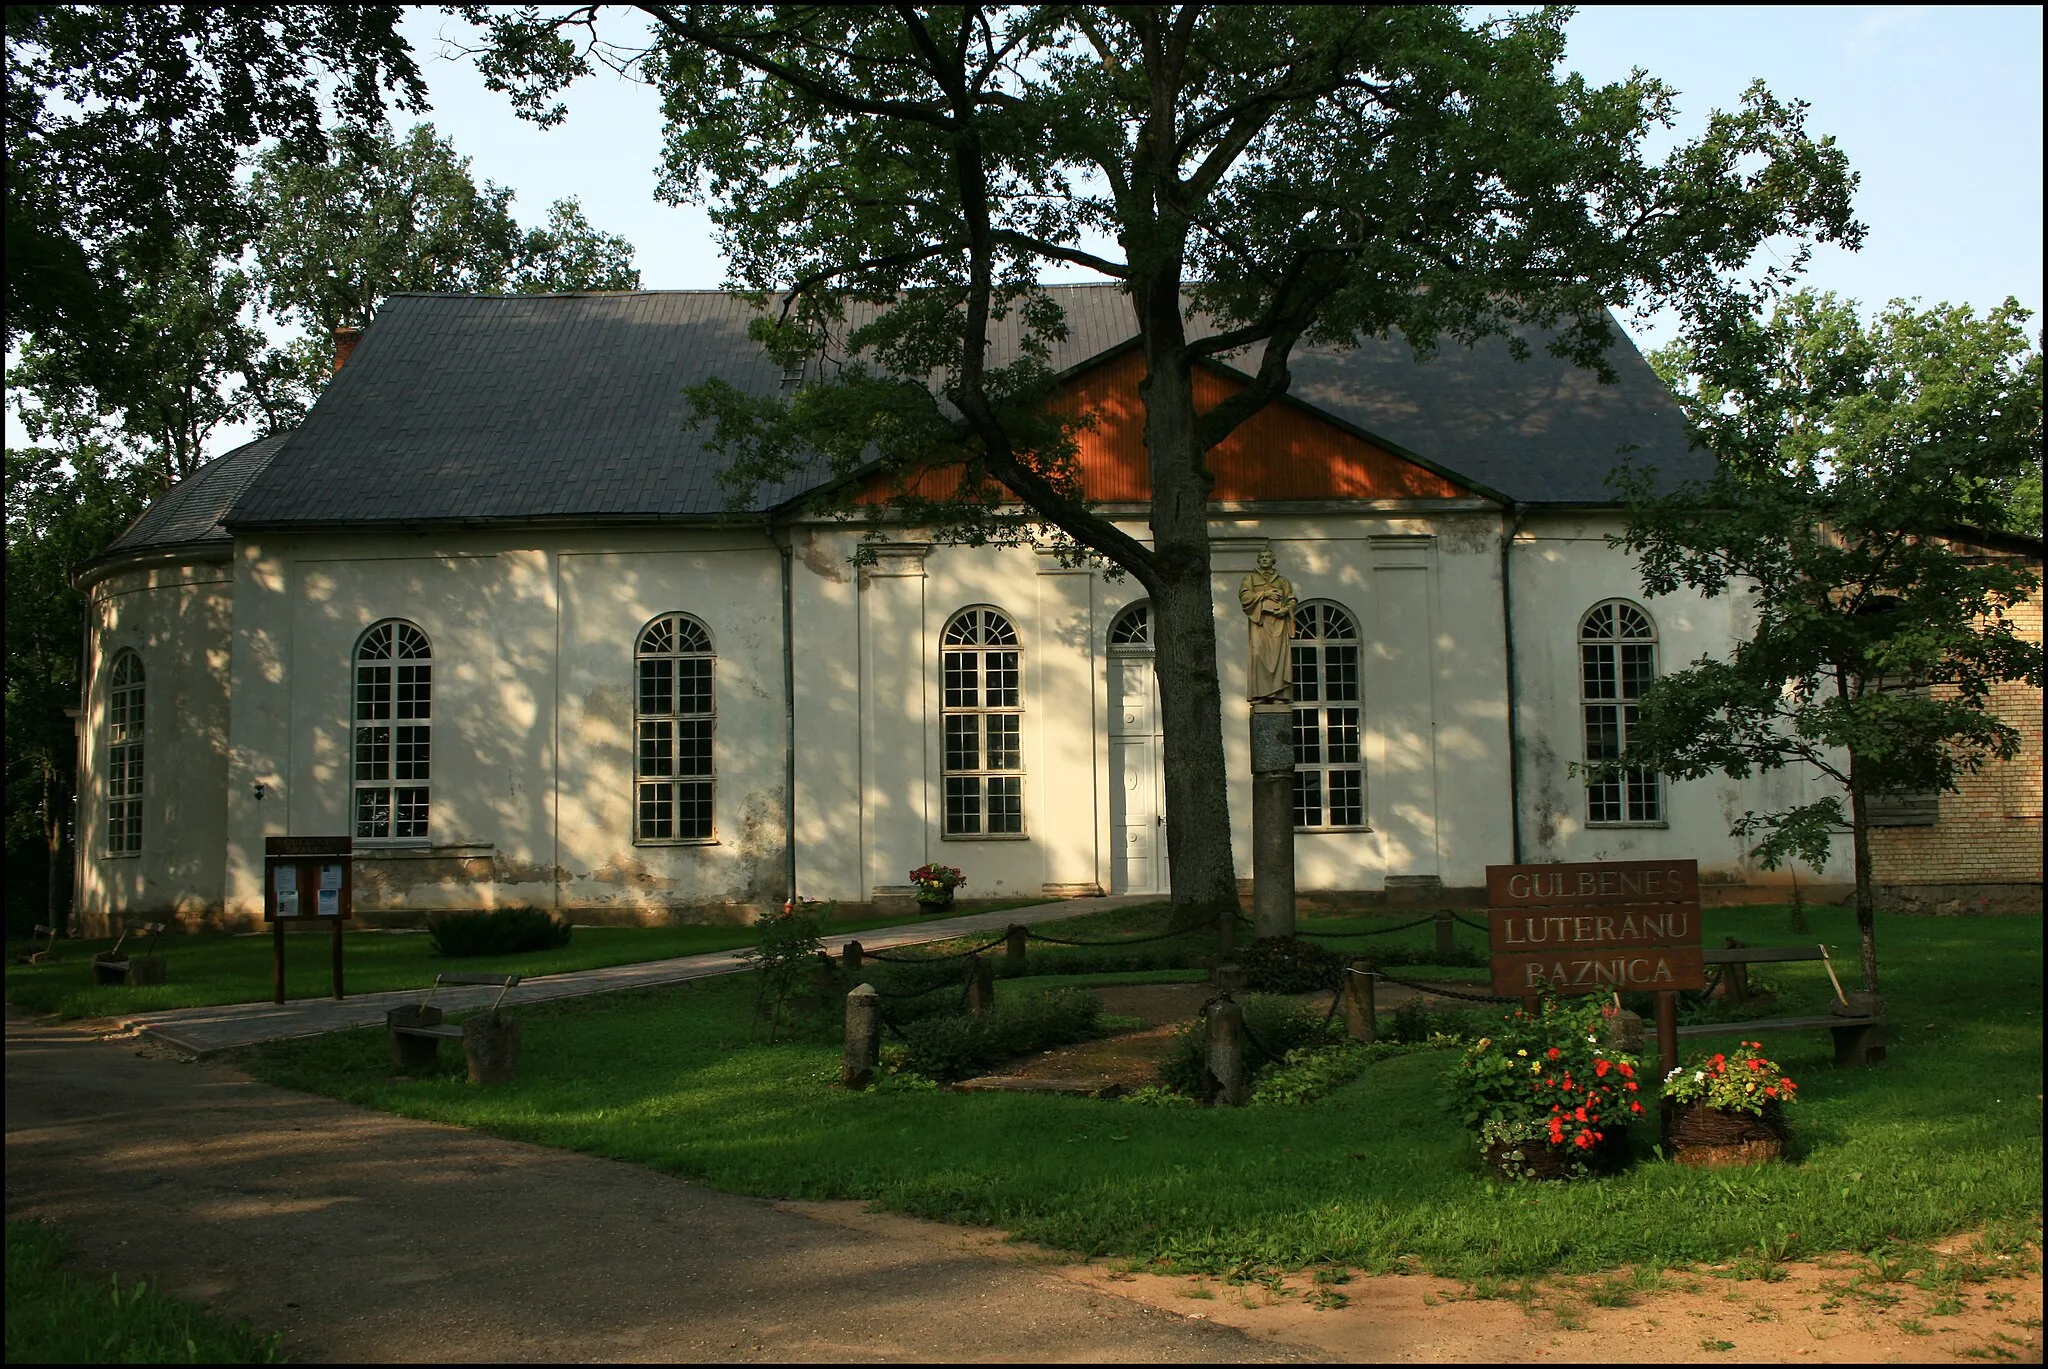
x=111 y=967
x=1859 y=1032
x=417 y=1030
x=47 y=955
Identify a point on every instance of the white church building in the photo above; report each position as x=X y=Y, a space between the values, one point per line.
x=487 y=612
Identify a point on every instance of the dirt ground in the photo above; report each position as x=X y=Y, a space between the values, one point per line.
x=367 y=1237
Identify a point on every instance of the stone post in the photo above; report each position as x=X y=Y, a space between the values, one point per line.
x=1018 y=944
x=1863 y=1045
x=863 y=1038
x=1228 y=979
x=491 y=1042
x=1625 y=1032
x=981 y=986
x=1446 y=936
x=849 y=956
x=1361 y=1019
x=1272 y=820
x=1227 y=1073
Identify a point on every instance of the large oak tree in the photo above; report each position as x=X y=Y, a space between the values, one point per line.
x=1255 y=177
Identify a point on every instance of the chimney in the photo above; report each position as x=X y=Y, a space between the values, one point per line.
x=345 y=340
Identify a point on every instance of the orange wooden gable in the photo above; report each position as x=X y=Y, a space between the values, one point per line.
x=1284 y=451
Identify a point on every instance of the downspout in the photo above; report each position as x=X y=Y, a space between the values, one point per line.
x=1511 y=524
x=781 y=538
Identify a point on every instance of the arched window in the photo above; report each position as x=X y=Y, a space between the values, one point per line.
x=1329 y=768
x=1131 y=630
x=675 y=714
x=982 y=711
x=394 y=728
x=1617 y=662
x=124 y=756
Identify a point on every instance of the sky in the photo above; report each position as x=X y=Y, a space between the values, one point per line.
x=1938 y=108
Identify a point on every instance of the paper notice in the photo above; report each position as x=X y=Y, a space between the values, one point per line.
x=287 y=902
x=330 y=903
x=286 y=879
x=330 y=877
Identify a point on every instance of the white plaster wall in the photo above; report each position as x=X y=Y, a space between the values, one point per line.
x=1563 y=566
x=178 y=619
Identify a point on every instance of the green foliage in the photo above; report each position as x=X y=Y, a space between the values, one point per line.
x=960 y=1045
x=1274 y=1027
x=126 y=126
x=57 y=1317
x=787 y=947
x=1852 y=456
x=59 y=515
x=1311 y=1072
x=380 y=214
x=1548 y=1078
x=1945 y=1136
x=1290 y=965
x=1740 y=1080
x=501 y=931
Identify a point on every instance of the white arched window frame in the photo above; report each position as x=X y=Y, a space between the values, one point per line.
x=1329 y=762
x=1130 y=632
x=981 y=712
x=675 y=715
x=125 y=700
x=1617 y=662
x=394 y=732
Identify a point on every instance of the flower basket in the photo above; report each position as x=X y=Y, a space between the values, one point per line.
x=935 y=898
x=934 y=884
x=1541 y=1160
x=1711 y=1138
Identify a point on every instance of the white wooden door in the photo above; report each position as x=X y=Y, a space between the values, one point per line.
x=1137 y=813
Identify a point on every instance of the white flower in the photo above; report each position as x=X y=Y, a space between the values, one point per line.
x=1699 y=1076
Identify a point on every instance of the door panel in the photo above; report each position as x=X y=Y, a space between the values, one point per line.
x=1138 y=860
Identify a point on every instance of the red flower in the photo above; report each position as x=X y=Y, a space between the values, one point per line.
x=1630 y=1087
x=1626 y=1071
x=1556 y=1131
x=1635 y=1107
x=1579 y=1113
x=1600 y=1068
x=1555 y=1052
x=1584 y=1141
x=1770 y=1092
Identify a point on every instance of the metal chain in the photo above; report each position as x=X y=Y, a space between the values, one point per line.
x=866 y=954
x=915 y=993
x=1447 y=993
x=1382 y=931
x=1133 y=941
x=1475 y=926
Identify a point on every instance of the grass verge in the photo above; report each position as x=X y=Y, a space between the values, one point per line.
x=57 y=1317
x=206 y=969
x=1945 y=1136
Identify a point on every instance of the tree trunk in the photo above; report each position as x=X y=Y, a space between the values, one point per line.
x=1866 y=894
x=1184 y=645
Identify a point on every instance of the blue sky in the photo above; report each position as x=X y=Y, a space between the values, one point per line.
x=1938 y=108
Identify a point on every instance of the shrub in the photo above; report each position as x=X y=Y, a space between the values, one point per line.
x=1288 y=964
x=786 y=947
x=960 y=1045
x=1274 y=1026
x=1548 y=1079
x=502 y=931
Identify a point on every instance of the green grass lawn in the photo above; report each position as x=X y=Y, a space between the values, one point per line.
x=1945 y=1136
x=56 y=1317
x=212 y=968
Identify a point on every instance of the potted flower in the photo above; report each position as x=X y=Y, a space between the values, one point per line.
x=1728 y=1108
x=1546 y=1095
x=935 y=884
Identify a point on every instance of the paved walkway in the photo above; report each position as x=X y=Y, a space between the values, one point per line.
x=203 y=1031
x=365 y=1237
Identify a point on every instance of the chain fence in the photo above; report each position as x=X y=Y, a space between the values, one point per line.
x=1377 y=931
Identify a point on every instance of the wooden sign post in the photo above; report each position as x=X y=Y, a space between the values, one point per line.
x=307 y=879
x=1599 y=927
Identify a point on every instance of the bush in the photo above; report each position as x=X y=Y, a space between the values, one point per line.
x=959 y=1045
x=503 y=931
x=1288 y=964
x=1274 y=1026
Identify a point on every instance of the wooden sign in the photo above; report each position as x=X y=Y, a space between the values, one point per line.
x=1593 y=883
x=1596 y=927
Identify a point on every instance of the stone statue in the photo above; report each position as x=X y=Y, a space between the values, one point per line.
x=1268 y=600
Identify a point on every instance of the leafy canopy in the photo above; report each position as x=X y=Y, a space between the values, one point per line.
x=1855 y=459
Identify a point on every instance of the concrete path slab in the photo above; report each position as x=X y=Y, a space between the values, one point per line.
x=204 y=1031
x=364 y=1237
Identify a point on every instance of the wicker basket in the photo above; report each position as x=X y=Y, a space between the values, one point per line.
x=1711 y=1137
x=1541 y=1160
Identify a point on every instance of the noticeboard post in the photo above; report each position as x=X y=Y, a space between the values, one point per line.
x=306 y=879
x=1599 y=927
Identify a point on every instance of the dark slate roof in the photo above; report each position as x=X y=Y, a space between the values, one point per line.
x=191 y=511
x=459 y=407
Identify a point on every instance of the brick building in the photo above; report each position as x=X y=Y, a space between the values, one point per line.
x=1978 y=849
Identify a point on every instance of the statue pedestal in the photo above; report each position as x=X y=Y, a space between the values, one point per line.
x=1272 y=820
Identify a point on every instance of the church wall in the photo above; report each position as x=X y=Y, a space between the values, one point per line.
x=531 y=803
x=1562 y=568
x=177 y=618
